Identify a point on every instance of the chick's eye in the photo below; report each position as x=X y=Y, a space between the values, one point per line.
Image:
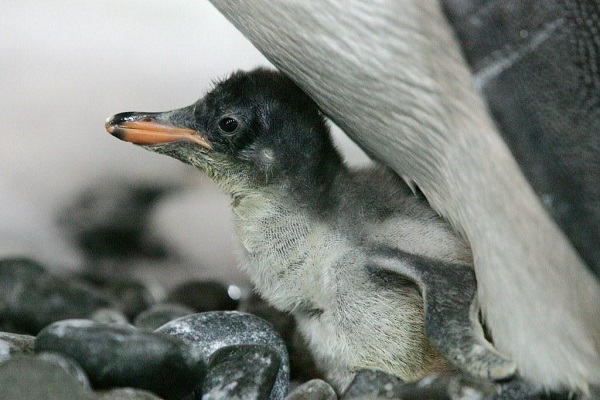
x=228 y=124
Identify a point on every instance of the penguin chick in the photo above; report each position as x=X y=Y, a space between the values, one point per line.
x=374 y=278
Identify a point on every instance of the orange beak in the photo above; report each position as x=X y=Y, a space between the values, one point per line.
x=144 y=129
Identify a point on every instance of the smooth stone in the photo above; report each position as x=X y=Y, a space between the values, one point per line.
x=110 y=220
x=117 y=355
x=203 y=296
x=69 y=365
x=518 y=389
x=32 y=298
x=372 y=384
x=109 y=316
x=126 y=394
x=450 y=387
x=7 y=325
x=132 y=295
x=210 y=331
x=315 y=389
x=32 y=378
x=14 y=343
x=159 y=314
x=246 y=372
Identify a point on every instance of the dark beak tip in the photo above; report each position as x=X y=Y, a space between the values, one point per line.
x=112 y=123
x=109 y=125
x=116 y=132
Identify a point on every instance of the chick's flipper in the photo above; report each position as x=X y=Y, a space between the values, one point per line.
x=452 y=325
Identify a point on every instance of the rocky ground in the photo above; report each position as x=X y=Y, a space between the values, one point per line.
x=104 y=332
x=78 y=336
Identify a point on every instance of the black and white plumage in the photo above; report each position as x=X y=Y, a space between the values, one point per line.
x=365 y=266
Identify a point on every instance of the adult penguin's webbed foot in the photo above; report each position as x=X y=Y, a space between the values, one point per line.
x=451 y=312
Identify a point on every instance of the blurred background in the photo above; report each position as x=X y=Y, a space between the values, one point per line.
x=65 y=66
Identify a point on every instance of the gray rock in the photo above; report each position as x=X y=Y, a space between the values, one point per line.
x=126 y=394
x=518 y=389
x=159 y=314
x=371 y=384
x=7 y=325
x=110 y=220
x=132 y=295
x=245 y=372
x=69 y=365
x=451 y=387
x=108 y=316
x=121 y=355
x=315 y=389
x=32 y=298
x=210 y=331
x=31 y=378
x=203 y=296
x=14 y=343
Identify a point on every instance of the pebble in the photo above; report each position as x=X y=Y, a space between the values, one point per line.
x=452 y=386
x=376 y=385
x=210 y=331
x=6 y=323
x=371 y=384
x=69 y=365
x=518 y=389
x=245 y=372
x=133 y=296
x=109 y=316
x=204 y=296
x=32 y=298
x=14 y=343
x=117 y=355
x=126 y=394
x=160 y=314
x=315 y=389
x=32 y=378
x=110 y=220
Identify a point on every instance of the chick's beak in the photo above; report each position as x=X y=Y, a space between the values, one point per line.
x=149 y=129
